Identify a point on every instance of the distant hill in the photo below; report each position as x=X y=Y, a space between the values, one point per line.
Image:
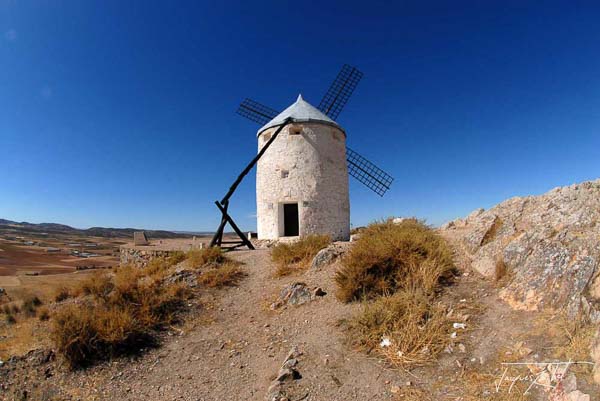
x=54 y=228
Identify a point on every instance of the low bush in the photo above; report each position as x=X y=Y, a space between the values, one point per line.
x=62 y=294
x=297 y=255
x=175 y=258
x=389 y=257
x=226 y=275
x=120 y=316
x=43 y=314
x=10 y=318
x=30 y=304
x=413 y=329
x=201 y=257
x=99 y=284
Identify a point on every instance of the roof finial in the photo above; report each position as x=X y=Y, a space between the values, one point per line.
x=299 y=97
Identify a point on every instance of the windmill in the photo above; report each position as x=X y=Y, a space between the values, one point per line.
x=302 y=182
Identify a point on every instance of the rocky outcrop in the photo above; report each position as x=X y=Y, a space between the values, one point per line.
x=549 y=243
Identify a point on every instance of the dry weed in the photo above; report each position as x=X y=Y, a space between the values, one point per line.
x=120 y=316
x=408 y=328
x=226 y=275
x=389 y=257
x=201 y=257
x=296 y=256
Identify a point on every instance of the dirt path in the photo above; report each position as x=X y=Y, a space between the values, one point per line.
x=236 y=356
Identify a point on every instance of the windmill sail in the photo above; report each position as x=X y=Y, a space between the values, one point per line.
x=340 y=91
x=256 y=112
x=367 y=173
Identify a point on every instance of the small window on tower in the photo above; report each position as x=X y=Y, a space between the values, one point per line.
x=285 y=173
x=295 y=130
x=266 y=137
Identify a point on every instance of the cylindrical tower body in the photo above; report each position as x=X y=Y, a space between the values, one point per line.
x=302 y=181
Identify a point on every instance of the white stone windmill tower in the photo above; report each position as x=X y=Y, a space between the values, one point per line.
x=302 y=180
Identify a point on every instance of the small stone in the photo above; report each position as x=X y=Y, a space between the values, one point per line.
x=287 y=375
x=462 y=348
x=395 y=389
x=578 y=396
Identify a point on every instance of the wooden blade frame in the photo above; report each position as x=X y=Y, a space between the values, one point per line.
x=256 y=112
x=340 y=91
x=367 y=173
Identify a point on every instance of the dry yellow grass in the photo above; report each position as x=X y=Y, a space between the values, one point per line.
x=415 y=327
x=197 y=258
x=396 y=269
x=296 y=256
x=227 y=275
x=389 y=257
x=119 y=315
x=121 y=312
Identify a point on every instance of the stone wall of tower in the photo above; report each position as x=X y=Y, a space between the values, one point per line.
x=306 y=164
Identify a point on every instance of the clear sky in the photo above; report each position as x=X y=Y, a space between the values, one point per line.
x=121 y=113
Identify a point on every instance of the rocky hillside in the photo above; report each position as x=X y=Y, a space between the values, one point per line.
x=549 y=245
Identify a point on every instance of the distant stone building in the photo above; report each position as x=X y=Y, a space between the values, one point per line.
x=302 y=179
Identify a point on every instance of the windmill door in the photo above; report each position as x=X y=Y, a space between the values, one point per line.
x=291 y=226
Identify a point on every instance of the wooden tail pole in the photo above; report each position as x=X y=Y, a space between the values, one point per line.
x=223 y=205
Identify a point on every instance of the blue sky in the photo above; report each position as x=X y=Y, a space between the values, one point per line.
x=121 y=113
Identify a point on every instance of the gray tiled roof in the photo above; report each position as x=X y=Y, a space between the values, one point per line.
x=300 y=111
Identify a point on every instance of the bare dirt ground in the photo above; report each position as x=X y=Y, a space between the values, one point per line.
x=234 y=346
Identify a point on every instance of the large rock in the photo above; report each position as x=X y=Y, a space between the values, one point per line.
x=595 y=354
x=549 y=242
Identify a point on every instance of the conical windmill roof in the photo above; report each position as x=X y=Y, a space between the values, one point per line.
x=301 y=111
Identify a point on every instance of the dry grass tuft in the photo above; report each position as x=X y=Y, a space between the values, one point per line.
x=62 y=294
x=120 y=316
x=297 y=255
x=416 y=328
x=201 y=257
x=9 y=318
x=396 y=270
x=227 y=275
x=491 y=233
x=30 y=304
x=389 y=257
x=43 y=314
x=500 y=270
x=574 y=338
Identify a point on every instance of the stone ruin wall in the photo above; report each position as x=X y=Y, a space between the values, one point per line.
x=140 y=257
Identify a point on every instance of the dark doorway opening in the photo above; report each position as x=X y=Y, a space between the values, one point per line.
x=291 y=225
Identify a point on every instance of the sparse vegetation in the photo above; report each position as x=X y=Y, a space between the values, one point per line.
x=226 y=275
x=389 y=257
x=30 y=304
x=117 y=321
x=493 y=231
x=414 y=325
x=395 y=269
x=43 y=314
x=297 y=255
x=122 y=312
x=197 y=258
x=501 y=271
x=61 y=294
